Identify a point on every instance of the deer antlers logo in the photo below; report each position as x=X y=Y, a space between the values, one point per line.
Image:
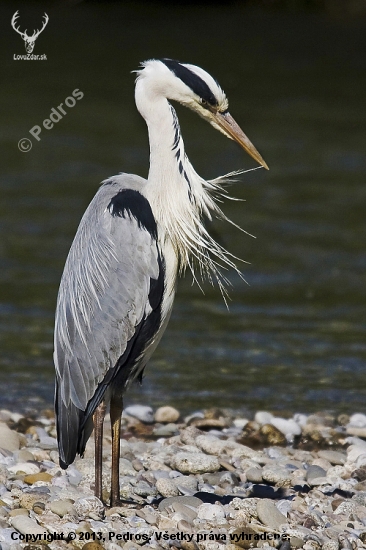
x=28 y=40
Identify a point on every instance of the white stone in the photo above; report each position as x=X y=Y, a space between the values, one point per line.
x=357 y=420
x=73 y=475
x=189 y=482
x=23 y=455
x=61 y=481
x=25 y=467
x=263 y=417
x=359 y=432
x=166 y=487
x=5 y=415
x=211 y=444
x=62 y=507
x=276 y=474
x=338 y=471
x=269 y=514
x=26 y=525
x=48 y=443
x=196 y=463
x=301 y=419
x=89 y=505
x=354 y=451
x=242 y=451
x=55 y=457
x=286 y=426
x=6 y=536
x=165 y=524
x=9 y=439
x=361 y=461
x=284 y=506
x=334 y=457
x=16 y=416
x=353 y=440
x=141 y=412
x=211 y=512
x=126 y=468
x=166 y=415
x=240 y=422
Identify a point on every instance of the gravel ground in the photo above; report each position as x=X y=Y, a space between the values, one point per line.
x=208 y=481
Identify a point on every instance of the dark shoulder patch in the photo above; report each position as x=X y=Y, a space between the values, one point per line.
x=131 y=203
x=157 y=286
x=193 y=81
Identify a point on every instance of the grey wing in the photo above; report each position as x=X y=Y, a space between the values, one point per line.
x=105 y=294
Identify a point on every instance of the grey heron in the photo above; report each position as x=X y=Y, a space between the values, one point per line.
x=117 y=289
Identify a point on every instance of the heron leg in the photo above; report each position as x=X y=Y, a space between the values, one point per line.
x=116 y=412
x=98 y=420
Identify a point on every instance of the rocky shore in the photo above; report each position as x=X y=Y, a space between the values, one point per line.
x=211 y=480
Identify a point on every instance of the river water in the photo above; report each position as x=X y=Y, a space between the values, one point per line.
x=293 y=338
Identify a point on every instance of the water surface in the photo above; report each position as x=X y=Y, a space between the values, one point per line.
x=294 y=335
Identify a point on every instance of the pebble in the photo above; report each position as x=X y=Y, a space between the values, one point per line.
x=166 y=430
x=288 y=427
x=166 y=415
x=126 y=468
x=357 y=420
x=89 y=505
x=41 y=476
x=211 y=445
x=190 y=482
x=334 y=457
x=141 y=412
x=314 y=472
x=277 y=475
x=27 y=500
x=188 y=511
x=24 y=468
x=9 y=439
x=254 y=475
x=48 y=443
x=18 y=512
x=263 y=417
x=23 y=456
x=187 y=501
x=211 y=512
x=26 y=525
x=272 y=435
x=62 y=507
x=240 y=423
x=166 y=487
x=269 y=515
x=196 y=463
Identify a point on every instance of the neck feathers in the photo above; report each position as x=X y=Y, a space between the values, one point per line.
x=180 y=198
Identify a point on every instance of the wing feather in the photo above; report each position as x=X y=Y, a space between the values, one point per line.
x=103 y=298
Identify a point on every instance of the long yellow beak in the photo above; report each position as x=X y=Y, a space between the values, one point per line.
x=226 y=122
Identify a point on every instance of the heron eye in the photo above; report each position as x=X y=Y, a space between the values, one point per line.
x=204 y=102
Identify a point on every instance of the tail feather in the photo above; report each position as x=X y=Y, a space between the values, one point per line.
x=68 y=421
x=74 y=426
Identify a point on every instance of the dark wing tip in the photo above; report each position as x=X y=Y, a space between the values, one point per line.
x=63 y=464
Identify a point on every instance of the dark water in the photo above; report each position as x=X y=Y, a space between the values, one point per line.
x=294 y=338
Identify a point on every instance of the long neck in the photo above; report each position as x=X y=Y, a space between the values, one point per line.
x=170 y=170
x=175 y=191
x=178 y=196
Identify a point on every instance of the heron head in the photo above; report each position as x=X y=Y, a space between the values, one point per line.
x=199 y=91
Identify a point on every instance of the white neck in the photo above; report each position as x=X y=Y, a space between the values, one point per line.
x=167 y=156
x=177 y=194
